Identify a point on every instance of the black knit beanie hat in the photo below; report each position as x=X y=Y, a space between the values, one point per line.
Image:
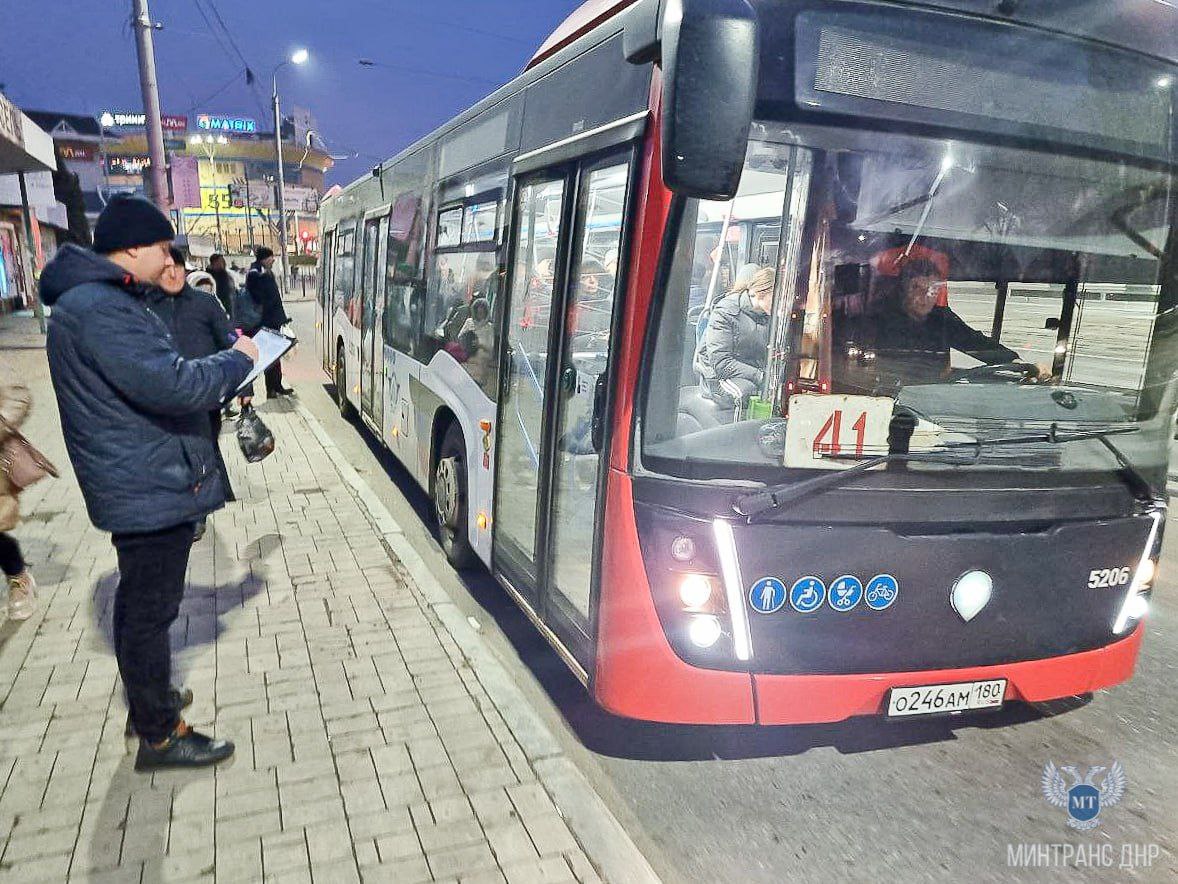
x=129 y=221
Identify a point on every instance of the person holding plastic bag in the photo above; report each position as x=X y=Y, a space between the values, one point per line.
x=199 y=328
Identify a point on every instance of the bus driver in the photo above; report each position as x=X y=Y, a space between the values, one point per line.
x=908 y=337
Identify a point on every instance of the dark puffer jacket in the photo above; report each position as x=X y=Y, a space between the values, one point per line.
x=736 y=348
x=133 y=410
x=262 y=285
x=198 y=324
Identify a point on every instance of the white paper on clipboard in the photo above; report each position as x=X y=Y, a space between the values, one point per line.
x=271 y=345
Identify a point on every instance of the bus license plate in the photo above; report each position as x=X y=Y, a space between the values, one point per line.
x=938 y=699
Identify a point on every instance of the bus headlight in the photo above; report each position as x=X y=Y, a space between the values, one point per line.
x=695 y=591
x=1136 y=604
x=704 y=630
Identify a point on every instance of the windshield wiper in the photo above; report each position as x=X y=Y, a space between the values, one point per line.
x=752 y=505
x=1141 y=487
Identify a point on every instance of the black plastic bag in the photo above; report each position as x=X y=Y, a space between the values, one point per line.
x=254 y=437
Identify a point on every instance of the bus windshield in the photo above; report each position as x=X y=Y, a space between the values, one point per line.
x=982 y=291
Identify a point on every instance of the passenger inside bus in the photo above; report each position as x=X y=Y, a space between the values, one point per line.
x=592 y=303
x=459 y=295
x=736 y=344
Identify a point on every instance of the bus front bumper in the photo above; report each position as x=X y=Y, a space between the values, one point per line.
x=813 y=699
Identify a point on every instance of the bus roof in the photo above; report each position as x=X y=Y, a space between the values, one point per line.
x=1146 y=26
x=585 y=18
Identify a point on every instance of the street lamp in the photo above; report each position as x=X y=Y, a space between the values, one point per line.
x=208 y=145
x=298 y=57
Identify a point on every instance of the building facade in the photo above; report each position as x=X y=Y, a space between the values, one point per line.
x=222 y=174
x=28 y=209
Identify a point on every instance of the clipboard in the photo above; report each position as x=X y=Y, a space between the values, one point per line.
x=272 y=346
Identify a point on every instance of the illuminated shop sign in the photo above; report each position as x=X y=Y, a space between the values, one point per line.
x=235 y=125
x=132 y=120
x=127 y=165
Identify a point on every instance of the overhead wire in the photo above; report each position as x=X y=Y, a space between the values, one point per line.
x=232 y=49
x=482 y=81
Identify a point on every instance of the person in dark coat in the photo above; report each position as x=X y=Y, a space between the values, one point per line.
x=226 y=287
x=133 y=414
x=736 y=344
x=910 y=338
x=199 y=328
x=263 y=288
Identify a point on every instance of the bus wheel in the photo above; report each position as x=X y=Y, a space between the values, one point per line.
x=341 y=385
x=450 y=500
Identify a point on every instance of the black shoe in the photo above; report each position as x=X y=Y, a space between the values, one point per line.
x=181 y=699
x=280 y=391
x=184 y=748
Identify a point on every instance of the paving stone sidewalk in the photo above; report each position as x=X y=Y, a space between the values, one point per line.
x=377 y=738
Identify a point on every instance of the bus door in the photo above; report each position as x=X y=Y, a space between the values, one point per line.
x=374 y=376
x=326 y=300
x=368 y=296
x=567 y=234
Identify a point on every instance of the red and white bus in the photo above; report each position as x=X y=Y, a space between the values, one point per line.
x=791 y=360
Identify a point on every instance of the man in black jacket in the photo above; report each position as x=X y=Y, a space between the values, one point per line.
x=199 y=328
x=226 y=287
x=263 y=288
x=133 y=413
x=910 y=337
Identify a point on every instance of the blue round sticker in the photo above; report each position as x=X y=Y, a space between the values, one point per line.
x=767 y=595
x=846 y=592
x=807 y=594
x=881 y=591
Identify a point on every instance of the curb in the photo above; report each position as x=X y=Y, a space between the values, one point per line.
x=605 y=841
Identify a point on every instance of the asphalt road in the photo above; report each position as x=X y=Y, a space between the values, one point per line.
x=865 y=800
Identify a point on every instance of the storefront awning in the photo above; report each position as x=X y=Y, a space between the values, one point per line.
x=24 y=146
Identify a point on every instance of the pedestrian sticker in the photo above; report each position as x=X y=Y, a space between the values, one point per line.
x=807 y=595
x=846 y=592
x=881 y=591
x=767 y=595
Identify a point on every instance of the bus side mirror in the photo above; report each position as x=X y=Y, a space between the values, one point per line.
x=710 y=61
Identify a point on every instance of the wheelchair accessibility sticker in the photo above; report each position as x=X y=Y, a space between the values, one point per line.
x=807 y=595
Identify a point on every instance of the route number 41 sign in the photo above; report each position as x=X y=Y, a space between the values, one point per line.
x=834 y=432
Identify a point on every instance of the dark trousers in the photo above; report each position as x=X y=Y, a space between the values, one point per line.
x=11 y=561
x=215 y=432
x=273 y=377
x=151 y=585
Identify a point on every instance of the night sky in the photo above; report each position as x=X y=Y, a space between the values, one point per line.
x=79 y=56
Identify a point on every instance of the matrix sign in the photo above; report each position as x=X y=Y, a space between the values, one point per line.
x=235 y=125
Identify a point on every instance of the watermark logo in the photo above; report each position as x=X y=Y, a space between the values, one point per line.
x=1083 y=799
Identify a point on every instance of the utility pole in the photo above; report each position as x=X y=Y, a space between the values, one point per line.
x=151 y=104
x=249 y=209
x=282 y=259
x=30 y=252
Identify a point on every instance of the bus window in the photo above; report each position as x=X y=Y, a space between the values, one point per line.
x=463 y=286
x=345 y=271
x=985 y=289
x=403 y=273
